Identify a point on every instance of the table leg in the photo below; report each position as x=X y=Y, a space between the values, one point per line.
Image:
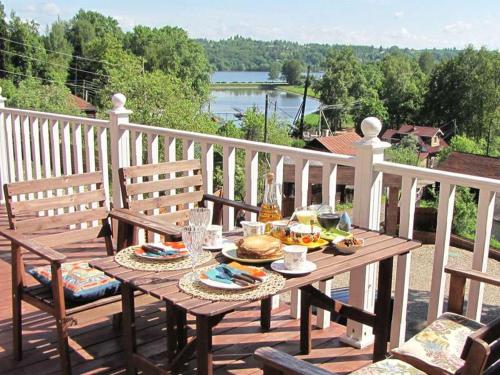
x=181 y=329
x=265 y=314
x=305 y=322
x=129 y=342
x=171 y=332
x=383 y=309
x=204 y=345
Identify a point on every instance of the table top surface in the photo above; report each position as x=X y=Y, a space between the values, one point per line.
x=164 y=285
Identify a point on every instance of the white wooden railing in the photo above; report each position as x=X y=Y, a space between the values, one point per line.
x=38 y=144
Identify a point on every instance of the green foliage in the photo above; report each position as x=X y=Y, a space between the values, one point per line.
x=170 y=50
x=462 y=143
x=239 y=53
x=60 y=58
x=426 y=61
x=465 y=89
x=405 y=152
x=403 y=88
x=252 y=128
x=32 y=94
x=274 y=70
x=292 y=71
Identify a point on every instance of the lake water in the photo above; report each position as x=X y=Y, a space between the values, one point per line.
x=226 y=103
x=253 y=77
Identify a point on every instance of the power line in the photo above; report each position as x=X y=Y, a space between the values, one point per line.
x=46 y=79
x=54 y=64
x=58 y=52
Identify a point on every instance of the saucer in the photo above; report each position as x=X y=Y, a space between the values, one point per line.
x=279 y=266
x=226 y=244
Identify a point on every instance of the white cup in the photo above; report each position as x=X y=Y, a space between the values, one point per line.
x=213 y=236
x=253 y=228
x=295 y=257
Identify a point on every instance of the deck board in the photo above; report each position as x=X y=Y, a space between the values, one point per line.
x=97 y=349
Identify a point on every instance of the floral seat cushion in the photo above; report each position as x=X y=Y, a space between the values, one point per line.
x=81 y=283
x=438 y=347
x=389 y=366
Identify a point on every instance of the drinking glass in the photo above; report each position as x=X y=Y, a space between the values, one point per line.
x=193 y=237
x=199 y=217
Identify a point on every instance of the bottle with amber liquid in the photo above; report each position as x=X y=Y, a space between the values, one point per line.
x=270 y=209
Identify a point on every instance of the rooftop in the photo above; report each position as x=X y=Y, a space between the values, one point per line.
x=341 y=143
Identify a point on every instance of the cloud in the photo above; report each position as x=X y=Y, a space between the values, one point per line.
x=50 y=8
x=457 y=27
x=125 y=22
x=399 y=14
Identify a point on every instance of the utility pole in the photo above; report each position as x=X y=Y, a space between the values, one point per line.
x=306 y=85
x=265 y=118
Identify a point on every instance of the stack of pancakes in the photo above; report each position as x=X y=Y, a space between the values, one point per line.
x=259 y=247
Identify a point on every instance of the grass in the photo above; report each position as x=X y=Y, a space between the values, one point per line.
x=493 y=241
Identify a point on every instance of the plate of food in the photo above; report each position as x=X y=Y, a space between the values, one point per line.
x=350 y=245
x=255 y=249
x=233 y=276
x=166 y=251
x=335 y=235
x=320 y=242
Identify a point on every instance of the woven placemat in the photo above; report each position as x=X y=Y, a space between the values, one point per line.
x=128 y=259
x=273 y=284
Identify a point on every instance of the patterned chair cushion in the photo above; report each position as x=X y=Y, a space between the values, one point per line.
x=388 y=366
x=81 y=283
x=438 y=347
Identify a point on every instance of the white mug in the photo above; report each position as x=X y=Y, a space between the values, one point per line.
x=295 y=257
x=253 y=228
x=213 y=236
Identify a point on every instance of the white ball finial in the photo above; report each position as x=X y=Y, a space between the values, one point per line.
x=371 y=127
x=118 y=101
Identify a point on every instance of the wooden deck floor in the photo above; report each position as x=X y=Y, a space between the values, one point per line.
x=96 y=348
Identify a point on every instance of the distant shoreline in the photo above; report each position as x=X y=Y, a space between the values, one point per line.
x=298 y=90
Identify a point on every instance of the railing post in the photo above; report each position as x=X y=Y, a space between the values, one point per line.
x=367 y=206
x=4 y=171
x=119 y=140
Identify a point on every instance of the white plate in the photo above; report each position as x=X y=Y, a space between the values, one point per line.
x=226 y=244
x=232 y=254
x=219 y=285
x=279 y=266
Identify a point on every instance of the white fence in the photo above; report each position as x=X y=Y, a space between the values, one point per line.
x=38 y=144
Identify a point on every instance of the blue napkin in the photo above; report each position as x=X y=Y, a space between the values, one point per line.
x=345 y=222
x=162 y=253
x=218 y=275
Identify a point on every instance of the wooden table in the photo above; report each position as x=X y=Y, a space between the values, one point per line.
x=164 y=286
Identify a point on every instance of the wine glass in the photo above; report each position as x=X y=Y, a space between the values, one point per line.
x=193 y=237
x=199 y=217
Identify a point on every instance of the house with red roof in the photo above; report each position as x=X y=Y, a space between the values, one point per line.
x=430 y=139
x=339 y=143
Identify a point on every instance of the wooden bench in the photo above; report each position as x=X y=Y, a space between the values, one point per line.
x=481 y=351
x=72 y=209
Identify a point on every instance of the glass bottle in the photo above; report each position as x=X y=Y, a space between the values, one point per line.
x=270 y=209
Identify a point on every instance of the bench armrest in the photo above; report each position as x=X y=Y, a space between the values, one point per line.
x=228 y=202
x=473 y=275
x=143 y=221
x=33 y=246
x=276 y=362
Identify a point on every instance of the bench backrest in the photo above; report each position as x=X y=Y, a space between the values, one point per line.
x=165 y=190
x=72 y=208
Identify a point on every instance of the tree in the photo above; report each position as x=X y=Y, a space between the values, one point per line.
x=466 y=89
x=274 y=71
x=170 y=50
x=33 y=94
x=405 y=152
x=402 y=88
x=462 y=143
x=3 y=42
x=59 y=52
x=426 y=61
x=292 y=71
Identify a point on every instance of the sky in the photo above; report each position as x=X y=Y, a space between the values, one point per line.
x=405 y=23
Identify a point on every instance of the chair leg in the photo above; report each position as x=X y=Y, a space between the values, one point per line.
x=17 y=327
x=63 y=346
